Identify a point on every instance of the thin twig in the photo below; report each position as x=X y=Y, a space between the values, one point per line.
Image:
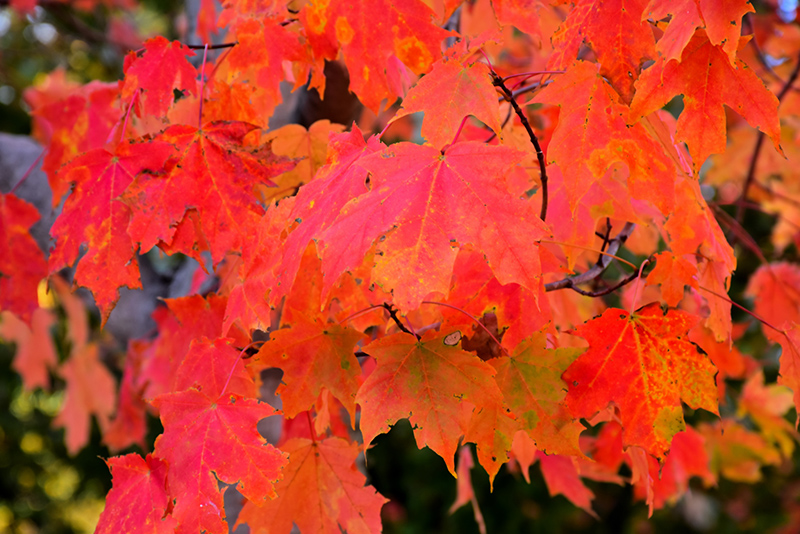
x=497 y=81
x=752 y=314
x=608 y=234
x=202 y=88
x=211 y=47
x=396 y=319
x=602 y=263
x=29 y=171
x=606 y=290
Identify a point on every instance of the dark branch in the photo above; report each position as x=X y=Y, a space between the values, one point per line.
x=211 y=47
x=605 y=237
x=497 y=81
x=606 y=290
x=396 y=319
x=602 y=263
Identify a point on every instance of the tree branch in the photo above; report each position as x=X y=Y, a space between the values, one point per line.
x=211 y=47
x=602 y=264
x=497 y=81
x=396 y=319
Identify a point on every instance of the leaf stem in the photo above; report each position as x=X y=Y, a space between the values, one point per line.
x=498 y=82
x=590 y=249
x=29 y=171
x=461 y=127
x=360 y=312
x=751 y=314
x=532 y=74
x=636 y=291
x=396 y=319
x=239 y=357
x=202 y=89
x=311 y=426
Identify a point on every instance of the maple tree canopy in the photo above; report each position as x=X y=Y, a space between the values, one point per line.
x=526 y=241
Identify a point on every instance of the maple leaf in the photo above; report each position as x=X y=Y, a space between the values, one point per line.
x=432 y=202
x=248 y=301
x=210 y=434
x=492 y=428
x=687 y=458
x=464 y=490
x=263 y=44
x=335 y=185
x=707 y=80
x=79 y=121
x=433 y=384
x=184 y=319
x=313 y=355
x=523 y=14
x=22 y=264
x=562 y=478
x=736 y=452
x=159 y=69
x=529 y=379
x=776 y=290
x=212 y=173
x=645 y=365
x=766 y=405
x=138 y=500
x=359 y=27
x=91 y=390
x=673 y=273
x=441 y=96
x=129 y=425
x=593 y=134
x=310 y=146
x=693 y=229
x=615 y=31
x=790 y=363
x=722 y=22
x=321 y=491
x=92 y=214
x=35 y=354
x=475 y=290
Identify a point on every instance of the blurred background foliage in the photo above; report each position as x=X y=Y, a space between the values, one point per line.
x=44 y=490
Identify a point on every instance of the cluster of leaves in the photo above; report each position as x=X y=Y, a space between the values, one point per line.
x=435 y=281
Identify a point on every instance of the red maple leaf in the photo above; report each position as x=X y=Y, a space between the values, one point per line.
x=424 y=204
x=22 y=264
x=159 y=69
x=210 y=434
x=441 y=94
x=644 y=364
x=211 y=172
x=138 y=500
x=92 y=214
x=36 y=352
x=321 y=491
x=722 y=22
x=91 y=390
x=707 y=79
